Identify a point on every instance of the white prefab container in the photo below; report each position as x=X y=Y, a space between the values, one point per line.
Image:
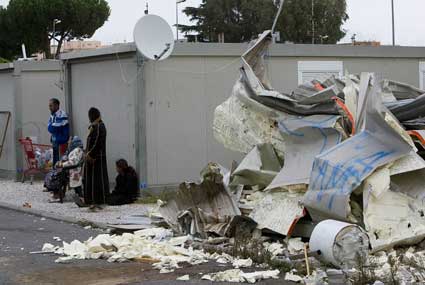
x=341 y=244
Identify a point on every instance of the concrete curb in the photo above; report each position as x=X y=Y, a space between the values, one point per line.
x=52 y=216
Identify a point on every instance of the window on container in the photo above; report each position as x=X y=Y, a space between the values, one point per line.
x=309 y=70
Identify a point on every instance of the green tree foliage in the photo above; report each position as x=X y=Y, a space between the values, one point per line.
x=8 y=43
x=242 y=20
x=31 y=22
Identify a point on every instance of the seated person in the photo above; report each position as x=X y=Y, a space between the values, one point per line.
x=72 y=162
x=127 y=186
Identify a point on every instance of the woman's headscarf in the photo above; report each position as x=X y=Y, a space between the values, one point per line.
x=76 y=142
x=94 y=114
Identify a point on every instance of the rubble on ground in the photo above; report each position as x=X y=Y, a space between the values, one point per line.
x=238 y=276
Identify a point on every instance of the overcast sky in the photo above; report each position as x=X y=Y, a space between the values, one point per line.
x=369 y=19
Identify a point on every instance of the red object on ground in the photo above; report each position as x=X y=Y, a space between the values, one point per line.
x=31 y=161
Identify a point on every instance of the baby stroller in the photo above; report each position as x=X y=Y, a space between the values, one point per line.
x=57 y=180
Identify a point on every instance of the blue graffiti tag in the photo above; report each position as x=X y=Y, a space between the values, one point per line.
x=344 y=176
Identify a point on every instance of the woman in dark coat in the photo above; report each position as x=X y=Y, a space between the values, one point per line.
x=126 y=187
x=96 y=182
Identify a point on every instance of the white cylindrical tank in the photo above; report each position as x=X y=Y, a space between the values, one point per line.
x=341 y=244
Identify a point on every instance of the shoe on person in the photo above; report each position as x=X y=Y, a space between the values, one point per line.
x=79 y=202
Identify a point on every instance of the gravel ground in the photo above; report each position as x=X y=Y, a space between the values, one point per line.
x=16 y=193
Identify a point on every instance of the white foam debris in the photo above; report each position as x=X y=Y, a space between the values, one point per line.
x=48 y=247
x=238 y=276
x=317 y=277
x=87 y=227
x=275 y=248
x=57 y=239
x=293 y=277
x=242 y=263
x=76 y=250
x=232 y=275
x=155 y=244
x=183 y=278
x=65 y=259
x=295 y=245
x=223 y=258
x=156 y=233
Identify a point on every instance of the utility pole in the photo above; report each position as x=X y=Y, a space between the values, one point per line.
x=392 y=8
x=312 y=21
x=177 y=16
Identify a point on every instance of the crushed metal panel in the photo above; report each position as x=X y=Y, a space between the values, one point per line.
x=255 y=63
x=350 y=95
x=305 y=138
x=307 y=95
x=289 y=106
x=259 y=167
x=255 y=77
x=279 y=211
x=410 y=110
x=411 y=184
x=408 y=163
x=402 y=91
x=339 y=171
x=206 y=202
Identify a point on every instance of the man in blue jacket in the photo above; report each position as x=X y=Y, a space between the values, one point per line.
x=58 y=127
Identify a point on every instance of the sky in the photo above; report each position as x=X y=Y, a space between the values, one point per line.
x=369 y=19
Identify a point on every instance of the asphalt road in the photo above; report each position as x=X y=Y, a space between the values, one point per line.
x=21 y=234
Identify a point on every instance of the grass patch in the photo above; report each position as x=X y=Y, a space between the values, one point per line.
x=149 y=198
x=253 y=248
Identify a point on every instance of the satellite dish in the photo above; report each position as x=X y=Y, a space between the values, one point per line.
x=154 y=37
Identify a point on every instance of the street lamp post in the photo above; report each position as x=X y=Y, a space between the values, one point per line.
x=392 y=8
x=177 y=16
x=325 y=37
x=55 y=21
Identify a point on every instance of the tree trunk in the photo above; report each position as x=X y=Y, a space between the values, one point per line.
x=58 y=49
x=46 y=48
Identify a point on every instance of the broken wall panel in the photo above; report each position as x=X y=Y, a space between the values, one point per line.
x=305 y=138
x=195 y=205
x=279 y=211
x=259 y=167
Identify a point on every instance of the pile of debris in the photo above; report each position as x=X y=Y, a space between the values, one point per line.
x=345 y=151
x=338 y=163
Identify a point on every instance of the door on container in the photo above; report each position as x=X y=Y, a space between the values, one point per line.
x=320 y=70
x=422 y=75
x=106 y=86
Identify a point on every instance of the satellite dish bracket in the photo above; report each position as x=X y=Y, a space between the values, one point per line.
x=158 y=57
